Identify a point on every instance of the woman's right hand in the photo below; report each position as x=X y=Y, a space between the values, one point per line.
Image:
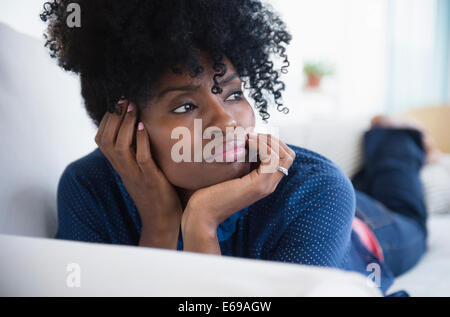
x=155 y=198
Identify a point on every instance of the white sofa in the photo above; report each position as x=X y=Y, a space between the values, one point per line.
x=43 y=127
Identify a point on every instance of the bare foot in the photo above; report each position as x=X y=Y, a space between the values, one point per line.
x=432 y=152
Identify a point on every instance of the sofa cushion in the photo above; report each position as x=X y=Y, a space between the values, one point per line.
x=43 y=127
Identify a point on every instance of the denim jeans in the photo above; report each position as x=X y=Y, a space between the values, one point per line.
x=390 y=197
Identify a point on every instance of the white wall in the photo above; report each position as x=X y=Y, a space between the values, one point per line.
x=350 y=33
x=23 y=16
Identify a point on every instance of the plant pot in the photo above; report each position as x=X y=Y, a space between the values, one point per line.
x=314 y=81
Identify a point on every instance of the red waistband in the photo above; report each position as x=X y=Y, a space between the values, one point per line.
x=367 y=238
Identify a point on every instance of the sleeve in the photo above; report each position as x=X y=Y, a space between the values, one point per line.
x=320 y=215
x=79 y=213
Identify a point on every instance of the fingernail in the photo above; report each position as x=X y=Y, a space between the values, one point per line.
x=119 y=109
x=252 y=135
x=140 y=126
x=122 y=100
x=130 y=107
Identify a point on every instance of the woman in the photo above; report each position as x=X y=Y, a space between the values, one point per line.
x=148 y=68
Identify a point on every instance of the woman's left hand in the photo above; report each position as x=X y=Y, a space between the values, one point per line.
x=210 y=206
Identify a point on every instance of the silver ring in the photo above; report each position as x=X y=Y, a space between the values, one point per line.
x=282 y=170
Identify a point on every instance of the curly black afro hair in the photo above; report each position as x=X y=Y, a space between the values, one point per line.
x=124 y=46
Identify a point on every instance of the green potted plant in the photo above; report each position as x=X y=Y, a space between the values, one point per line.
x=315 y=71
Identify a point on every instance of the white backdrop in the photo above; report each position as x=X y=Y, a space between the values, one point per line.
x=351 y=34
x=23 y=16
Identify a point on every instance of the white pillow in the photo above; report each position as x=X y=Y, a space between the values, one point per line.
x=436 y=182
x=43 y=127
x=339 y=141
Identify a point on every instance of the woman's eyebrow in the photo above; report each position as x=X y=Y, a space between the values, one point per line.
x=194 y=87
x=229 y=78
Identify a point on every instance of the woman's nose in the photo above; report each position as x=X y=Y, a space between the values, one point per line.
x=218 y=116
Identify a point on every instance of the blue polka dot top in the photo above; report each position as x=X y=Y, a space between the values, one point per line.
x=306 y=220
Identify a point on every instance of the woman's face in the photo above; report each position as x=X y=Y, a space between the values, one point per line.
x=178 y=100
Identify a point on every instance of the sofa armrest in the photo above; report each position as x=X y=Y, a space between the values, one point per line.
x=39 y=267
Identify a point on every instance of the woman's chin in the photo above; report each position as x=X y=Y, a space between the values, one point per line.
x=219 y=172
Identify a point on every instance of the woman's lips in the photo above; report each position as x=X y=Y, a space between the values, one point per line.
x=231 y=151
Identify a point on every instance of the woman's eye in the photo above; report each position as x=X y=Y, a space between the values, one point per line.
x=187 y=107
x=184 y=108
x=237 y=95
